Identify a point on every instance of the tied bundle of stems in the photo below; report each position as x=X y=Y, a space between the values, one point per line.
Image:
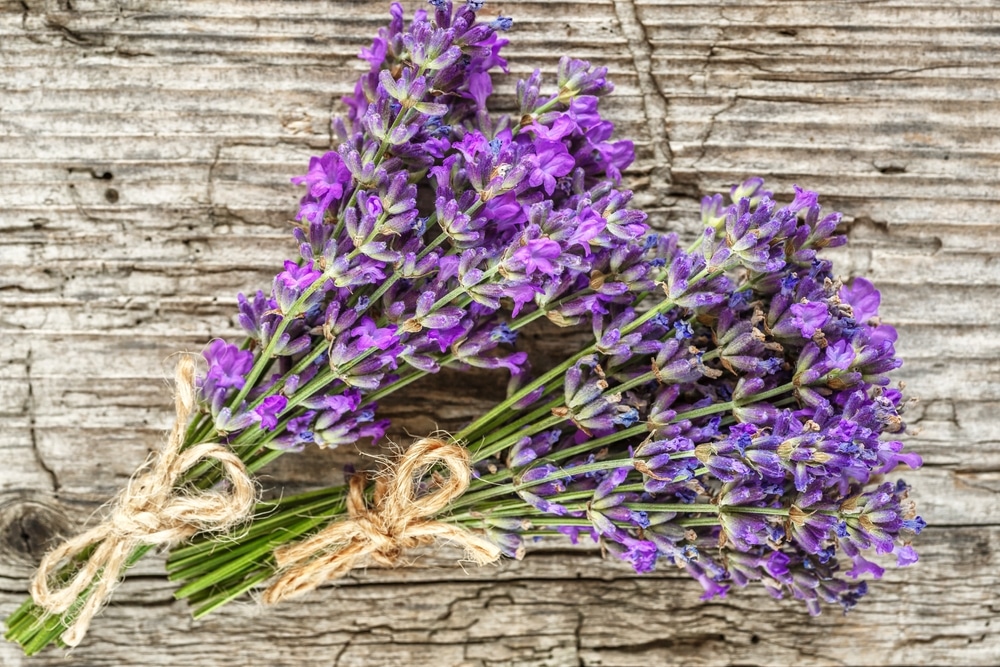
x=516 y=219
x=727 y=418
x=733 y=429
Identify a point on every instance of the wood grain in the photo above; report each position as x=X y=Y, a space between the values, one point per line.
x=145 y=152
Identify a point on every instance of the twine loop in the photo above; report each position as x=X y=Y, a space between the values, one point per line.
x=149 y=510
x=398 y=519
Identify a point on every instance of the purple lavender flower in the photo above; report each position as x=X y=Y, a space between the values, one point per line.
x=587 y=405
x=327 y=179
x=840 y=355
x=551 y=161
x=577 y=78
x=227 y=366
x=257 y=317
x=292 y=282
x=863 y=298
x=538 y=255
x=527 y=449
x=864 y=301
x=640 y=554
x=878 y=518
x=744 y=531
x=268 y=411
x=809 y=318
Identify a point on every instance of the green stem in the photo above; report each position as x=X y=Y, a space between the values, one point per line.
x=228 y=595
x=674 y=507
x=473 y=498
x=698 y=522
x=516 y=426
x=212 y=553
x=251 y=557
x=46 y=627
x=739 y=509
x=771 y=393
x=488 y=452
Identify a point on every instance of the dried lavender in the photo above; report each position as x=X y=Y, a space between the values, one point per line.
x=733 y=429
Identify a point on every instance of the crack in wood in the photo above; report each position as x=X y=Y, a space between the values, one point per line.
x=703 y=141
x=32 y=427
x=655 y=101
x=578 y=639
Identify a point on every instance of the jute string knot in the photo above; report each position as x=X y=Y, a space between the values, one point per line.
x=149 y=510
x=397 y=520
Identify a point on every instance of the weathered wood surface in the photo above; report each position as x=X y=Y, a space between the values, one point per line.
x=145 y=151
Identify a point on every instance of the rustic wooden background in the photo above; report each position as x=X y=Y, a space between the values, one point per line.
x=145 y=152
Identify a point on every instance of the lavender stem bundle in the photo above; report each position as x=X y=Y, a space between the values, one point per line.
x=430 y=236
x=733 y=429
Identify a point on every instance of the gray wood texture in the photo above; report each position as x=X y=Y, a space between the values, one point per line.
x=145 y=152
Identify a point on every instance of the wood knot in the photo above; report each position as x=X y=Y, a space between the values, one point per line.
x=28 y=527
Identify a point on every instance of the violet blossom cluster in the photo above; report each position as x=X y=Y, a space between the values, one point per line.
x=429 y=236
x=739 y=429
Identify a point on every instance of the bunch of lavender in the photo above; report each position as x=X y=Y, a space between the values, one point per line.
x=519 y=216
x=734 y=429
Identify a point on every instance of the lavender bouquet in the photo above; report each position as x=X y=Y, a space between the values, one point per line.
x=511 y=221
x=726 y=418
x=733 y=430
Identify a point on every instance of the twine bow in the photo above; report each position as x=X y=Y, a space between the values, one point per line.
x=398 y=520
x=149 y=510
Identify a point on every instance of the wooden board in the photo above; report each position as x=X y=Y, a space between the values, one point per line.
x=145 y=152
